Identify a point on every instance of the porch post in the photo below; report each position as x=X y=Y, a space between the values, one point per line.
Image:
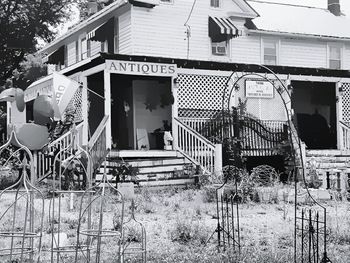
x=107 y=95
x=218 y=159
x=339 y=115
x=174 y=111
x=85 y=113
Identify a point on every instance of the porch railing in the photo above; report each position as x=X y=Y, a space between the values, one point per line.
x=194 y=146
x=45 y=161
x=97 y=146
x=344 y=138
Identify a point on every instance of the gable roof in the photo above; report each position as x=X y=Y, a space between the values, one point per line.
x=299 y=20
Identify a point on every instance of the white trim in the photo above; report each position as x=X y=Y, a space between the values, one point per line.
x=107 y=104
x=93 y=70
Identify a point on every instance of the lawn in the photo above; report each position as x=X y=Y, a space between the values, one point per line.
x=178 y=222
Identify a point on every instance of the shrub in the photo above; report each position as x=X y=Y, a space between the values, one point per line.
x=186 y=230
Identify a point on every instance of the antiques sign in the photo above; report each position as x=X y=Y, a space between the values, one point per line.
x=140 y=68
x=258 y=89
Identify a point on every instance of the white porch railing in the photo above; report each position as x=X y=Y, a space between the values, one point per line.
x=195 y=147
x=45 y=162
x=344 y=138
x=199 y=124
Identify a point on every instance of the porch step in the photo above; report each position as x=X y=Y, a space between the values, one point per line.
x=329 y=162
x=155 y=166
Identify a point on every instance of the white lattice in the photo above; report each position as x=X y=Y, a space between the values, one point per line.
x=200 y=93
x=75 y=106
x=346 y=102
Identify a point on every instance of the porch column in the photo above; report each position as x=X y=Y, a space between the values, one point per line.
x=107 y=101
x=339 y=115
x=174 y=110
x=84 y=106
x=218 y=159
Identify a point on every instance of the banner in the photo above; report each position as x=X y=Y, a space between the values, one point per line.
x=64 y=90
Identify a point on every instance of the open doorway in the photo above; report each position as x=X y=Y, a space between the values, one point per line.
x=140 y=111
x=314 y=105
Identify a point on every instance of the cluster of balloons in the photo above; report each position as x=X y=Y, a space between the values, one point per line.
x=34 y=135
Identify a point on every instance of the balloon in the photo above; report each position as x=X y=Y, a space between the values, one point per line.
x=20 y=100
x=31 y=135
x=43 y=110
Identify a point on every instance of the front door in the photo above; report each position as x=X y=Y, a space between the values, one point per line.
x=314 y=105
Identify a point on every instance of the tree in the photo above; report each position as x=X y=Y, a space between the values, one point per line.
x=22 y=22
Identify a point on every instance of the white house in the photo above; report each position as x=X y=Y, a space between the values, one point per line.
x=152 y=64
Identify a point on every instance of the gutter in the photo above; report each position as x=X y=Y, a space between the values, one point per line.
x=298 y=35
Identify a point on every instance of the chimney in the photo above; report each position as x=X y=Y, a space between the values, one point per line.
x=92 y=7
x=334 y=7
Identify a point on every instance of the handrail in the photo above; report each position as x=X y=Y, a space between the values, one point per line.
x=195 y=132
x=194 y=146
x=344 y=137
x=45 y=162
x=97 y=144
x=98 y=132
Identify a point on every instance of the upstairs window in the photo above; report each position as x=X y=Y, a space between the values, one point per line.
x=270 y=52
x=215 y=3
x=334 y=57
x=84 y=49
x=219 y=48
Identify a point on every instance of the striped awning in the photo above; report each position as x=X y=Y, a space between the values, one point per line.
x=101 y=32
x=56 y=57
x=221 y=28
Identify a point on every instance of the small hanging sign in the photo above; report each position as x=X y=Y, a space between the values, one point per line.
x=259 y=89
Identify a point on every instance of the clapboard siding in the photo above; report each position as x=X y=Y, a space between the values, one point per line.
x=71 y=54
x=306 y=53
x=346 y=57
x=161 y=31
x=125 y=33
x=246 y=49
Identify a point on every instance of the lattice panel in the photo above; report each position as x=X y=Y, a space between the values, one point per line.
x=264 y=109
x=75 y=106
x=200 y=95
x=346 y=102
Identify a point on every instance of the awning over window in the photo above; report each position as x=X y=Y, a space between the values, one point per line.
x=221 y=28
x=101 y=32
x=144 y=3
x=56 y=57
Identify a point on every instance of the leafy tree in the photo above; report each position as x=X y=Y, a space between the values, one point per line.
x=85 y=5
x=22 y=22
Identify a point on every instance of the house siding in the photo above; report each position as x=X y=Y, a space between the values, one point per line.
x=125 y=33
x=305 y=53
x=155 y=34
x=346 y=57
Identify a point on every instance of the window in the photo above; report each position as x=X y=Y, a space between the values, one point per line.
x=219 y=48
x=215 y=3
x=334 y=57
x=270 y=52
x=84 y=49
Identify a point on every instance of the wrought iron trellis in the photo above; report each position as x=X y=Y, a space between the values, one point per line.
x=94 y=227
x=72 y=174
x=284 y=94
x=134 y=237
x=21 y=222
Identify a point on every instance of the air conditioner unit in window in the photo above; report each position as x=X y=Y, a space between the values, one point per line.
x=219 y=50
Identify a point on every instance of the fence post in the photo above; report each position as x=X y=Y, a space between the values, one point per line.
x=218 y=159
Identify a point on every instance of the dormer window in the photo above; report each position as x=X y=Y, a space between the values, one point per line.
x=215 y=3
x=270 y=52
x=334 y=57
